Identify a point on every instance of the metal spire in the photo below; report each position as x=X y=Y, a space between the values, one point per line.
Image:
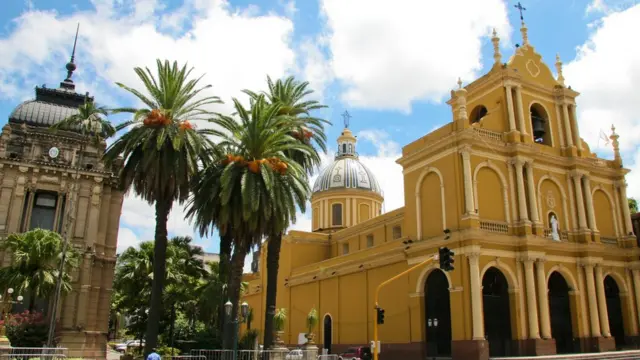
x=71 y=66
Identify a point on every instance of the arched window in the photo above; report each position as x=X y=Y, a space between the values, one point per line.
x=336 y=213
x=350 y=149
x=344 y=148
x=540 y=125
x=477 y=114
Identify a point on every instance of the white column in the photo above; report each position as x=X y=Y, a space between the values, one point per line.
x=543 y=300
x=512 y=120
x=533 y=199
x=577 y=181
x=532 y=309
x=625 y=208
x=476 y=297
x=468 y=187
x=521 y=118
x=567 y=125
x=522 y=200
x=593 y=303
x=602 y=303
x=591 y=217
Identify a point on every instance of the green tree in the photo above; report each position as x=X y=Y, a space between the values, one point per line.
x=90 y=122
x=255 y=188
x=162 y=151
x=633 y=205
x=37 y=255
x=292 y=96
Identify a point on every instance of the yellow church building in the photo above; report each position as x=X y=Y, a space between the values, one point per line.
x=545 y=257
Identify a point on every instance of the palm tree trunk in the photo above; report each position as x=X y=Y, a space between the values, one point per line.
x=163 y=207
x=235 y=280
x=224 y=270
x=32 y=300
x=273 y=260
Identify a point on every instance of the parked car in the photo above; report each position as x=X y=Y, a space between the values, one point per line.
x=295 y=354
x=356 y=353
x=122 y=347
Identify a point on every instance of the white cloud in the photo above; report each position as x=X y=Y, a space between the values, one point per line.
x=126 y=239
x=390 y=54
x=605 y=72
x=227 y=45
x=111 y=43
x=384 y=167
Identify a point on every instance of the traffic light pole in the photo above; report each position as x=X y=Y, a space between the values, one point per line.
x=375 y=324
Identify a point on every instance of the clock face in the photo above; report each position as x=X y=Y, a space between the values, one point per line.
x=54 y=152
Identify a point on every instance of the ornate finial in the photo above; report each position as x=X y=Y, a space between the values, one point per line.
x=497 y=57
x=616 y=145
x=71 y=66
x=346 y=116
x=525 y=37
x=461 y=100
x=559 y=69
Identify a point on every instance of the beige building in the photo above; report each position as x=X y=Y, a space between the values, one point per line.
x=42 y=175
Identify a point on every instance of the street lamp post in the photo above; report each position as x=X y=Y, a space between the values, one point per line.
x=6 y=308
x=244 y=311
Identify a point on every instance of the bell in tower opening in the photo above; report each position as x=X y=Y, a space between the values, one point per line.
x=539 y=125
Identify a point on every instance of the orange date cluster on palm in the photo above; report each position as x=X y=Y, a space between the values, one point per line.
x=254 y=165
x=184 y=125
x=305 y=135
x=156 y=118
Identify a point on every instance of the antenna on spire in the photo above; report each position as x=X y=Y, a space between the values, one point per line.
x=346 y=116
x=71 y=66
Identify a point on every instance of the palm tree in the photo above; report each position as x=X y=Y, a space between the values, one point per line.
x=291 y=95
x=162 y=151
x=35 y=267
x=245 y=192
x=93 y=129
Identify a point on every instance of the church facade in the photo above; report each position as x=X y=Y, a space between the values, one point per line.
x=57 y=181
x=546 y=260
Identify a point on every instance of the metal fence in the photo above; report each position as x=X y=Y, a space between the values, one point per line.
x=284 y=354
x=33 y=353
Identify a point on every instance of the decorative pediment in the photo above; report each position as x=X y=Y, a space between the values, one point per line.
x=528 y=63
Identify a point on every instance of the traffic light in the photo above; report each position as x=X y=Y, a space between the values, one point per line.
x=380 y=315
x=446 y=259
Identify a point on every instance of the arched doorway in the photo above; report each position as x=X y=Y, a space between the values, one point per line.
x=328 y=333
x=560 y=313
x=614 y=310
x=437 y=314
x=497 y=317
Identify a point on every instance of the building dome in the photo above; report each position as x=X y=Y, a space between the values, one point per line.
x=51 y=105
x=346 y=171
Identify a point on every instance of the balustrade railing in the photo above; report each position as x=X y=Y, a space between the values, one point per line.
x=494 y=226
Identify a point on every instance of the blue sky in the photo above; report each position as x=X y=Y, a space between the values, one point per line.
x=391 y=64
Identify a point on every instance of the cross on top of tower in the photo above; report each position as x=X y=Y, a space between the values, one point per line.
x=346 y=116
x=521 y=9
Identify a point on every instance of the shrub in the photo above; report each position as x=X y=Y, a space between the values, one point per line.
x=248 y=340
x=27 y=329
x=167 y=351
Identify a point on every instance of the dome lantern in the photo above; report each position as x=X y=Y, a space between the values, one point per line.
x=346 y=192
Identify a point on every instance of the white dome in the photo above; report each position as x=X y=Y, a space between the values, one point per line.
x=346 y=172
